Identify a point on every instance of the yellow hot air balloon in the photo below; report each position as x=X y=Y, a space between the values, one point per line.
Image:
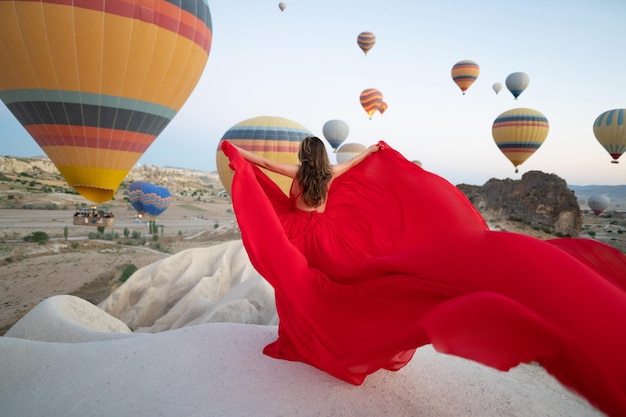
x=464 y=73
x=519 y=133
x=94 y=83
x=366 y=41
x=371 y=100
x=610 y=130
x=274 y=138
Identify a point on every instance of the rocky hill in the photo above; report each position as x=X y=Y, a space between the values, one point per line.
x=542 y=201
x=176 y=180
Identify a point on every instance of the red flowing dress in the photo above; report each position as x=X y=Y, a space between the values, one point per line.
x=400 y=258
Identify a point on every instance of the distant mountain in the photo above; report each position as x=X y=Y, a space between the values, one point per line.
x=616 y=193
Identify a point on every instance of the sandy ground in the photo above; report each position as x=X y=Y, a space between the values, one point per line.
x=91 y=269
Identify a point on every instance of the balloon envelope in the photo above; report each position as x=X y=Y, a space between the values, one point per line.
x=517 y=82
x=371 y=100
x=497 y=87
x=274 y=138
x=598 y=203
x=335 y=131
x=134 y=196
x=282 y=6
x=464 y=73
x=366 y=41
x=147 y=198
x=95 y=85
x=383 y=107
x=610 y=131
x=347 y=151
x=519 y=133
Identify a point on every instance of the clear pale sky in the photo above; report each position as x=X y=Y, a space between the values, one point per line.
x=304 y=64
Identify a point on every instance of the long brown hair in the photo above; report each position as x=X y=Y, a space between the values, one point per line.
x=315 y=172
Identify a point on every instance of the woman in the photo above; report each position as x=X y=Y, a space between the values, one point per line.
x=313 y=176
x=398 y=258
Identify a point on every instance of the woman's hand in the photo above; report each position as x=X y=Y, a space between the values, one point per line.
x=373 y=148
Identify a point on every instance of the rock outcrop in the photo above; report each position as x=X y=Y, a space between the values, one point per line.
x=542 y=201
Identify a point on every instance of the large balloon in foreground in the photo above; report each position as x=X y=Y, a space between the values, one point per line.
x=519 y=133
x=147 y=198
x=274 y=138
x=516 y=83
x=610 y=131
x=366 y=41
x=347 y=151
x=598 y=203
x=371 y=100
x=94 y=83
x=335 y=131
x=464 y=73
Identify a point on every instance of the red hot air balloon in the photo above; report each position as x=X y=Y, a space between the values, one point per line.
x=95 y=82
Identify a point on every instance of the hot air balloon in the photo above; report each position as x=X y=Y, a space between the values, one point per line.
x=347 y=151
x=519 y=133
x=134 y=197
x=516 y=83
x=366 y=41
x=610 y=131
x=335 y=132
x=497 y=87
x=464 y=73
x=598 y=203
x=94 y=84
x=383 y=107
x=147 y=198
x=274 y=138
x=282 y=6
x=371 y=100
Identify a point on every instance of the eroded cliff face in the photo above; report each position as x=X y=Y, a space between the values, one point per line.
x=542 y=201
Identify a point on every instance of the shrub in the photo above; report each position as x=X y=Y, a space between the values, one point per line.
x=127 y=272
x=38 y=236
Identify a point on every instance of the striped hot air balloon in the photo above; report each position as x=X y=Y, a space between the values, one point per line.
x=464 y=73
x=366 y=41
x=610 y=131
x=383 y=107
x=371 y=100
x=519 y=133
x=274 y=138
x=347 y=151
x=94 y=83
x=134 y=196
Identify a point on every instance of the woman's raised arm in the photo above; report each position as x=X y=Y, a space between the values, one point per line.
x=341 y=168
x=282 y=168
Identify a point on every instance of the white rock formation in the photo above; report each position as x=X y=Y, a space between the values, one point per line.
x=202 y=285
x=69 y=358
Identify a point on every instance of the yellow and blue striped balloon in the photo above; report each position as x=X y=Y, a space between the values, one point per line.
x=464 y=73
x=95 y=82
x=274 y=138
x=610 y=130
x=519 y=133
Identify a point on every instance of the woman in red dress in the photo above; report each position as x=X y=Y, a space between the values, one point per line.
x=376 y=257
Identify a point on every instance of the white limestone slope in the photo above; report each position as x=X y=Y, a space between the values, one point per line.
x=67 y=357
